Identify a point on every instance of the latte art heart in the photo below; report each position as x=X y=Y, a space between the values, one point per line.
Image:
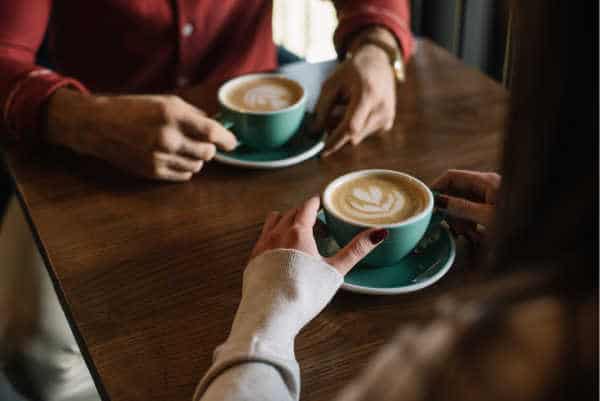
x=269 y=96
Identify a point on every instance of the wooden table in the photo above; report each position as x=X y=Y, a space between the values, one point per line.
x=150 y=273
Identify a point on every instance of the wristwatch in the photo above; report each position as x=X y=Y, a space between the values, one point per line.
x=393 y=54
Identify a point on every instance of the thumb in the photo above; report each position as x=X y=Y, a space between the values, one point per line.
x=360 y=246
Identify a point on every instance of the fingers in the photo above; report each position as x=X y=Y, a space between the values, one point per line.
x=475 y=233
x=178 y=163
x=166 y=174
x=375 y=122
x=459 y=227
x=205 y=129
x=307 y=214
x=357 y=249
x=475 y=236
x=357 y=118
x=270 y=222
x=341 y=134
x=465 y=181
x=325 y=104
x=286 y=221
x=352 y=124
x=197 y=150
x=337 y=145
x=480 y=213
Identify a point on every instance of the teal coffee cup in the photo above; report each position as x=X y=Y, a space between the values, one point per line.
x=264 y=111
x=386 y=199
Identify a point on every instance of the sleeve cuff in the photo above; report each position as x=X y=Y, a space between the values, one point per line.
x=23 y=107
x=367 y=15
x=227 y=356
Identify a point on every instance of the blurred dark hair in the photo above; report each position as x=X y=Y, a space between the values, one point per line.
x=548 y=207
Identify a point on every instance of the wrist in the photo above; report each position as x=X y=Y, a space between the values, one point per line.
x=370 y=35
x=371 y=53
x=67 y=115
x=283 y=290
x=378 y=45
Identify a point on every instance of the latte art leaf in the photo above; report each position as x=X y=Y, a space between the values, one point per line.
x=271 y=96
x=373 y=195
x=379 y=198
x=373 y=203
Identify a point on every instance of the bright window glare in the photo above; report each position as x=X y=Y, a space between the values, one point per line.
x=305 y=27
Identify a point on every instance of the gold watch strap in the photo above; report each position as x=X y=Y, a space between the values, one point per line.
x=393 y=54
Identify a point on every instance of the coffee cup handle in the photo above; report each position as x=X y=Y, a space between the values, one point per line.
x=227 y=124
x=438 y=215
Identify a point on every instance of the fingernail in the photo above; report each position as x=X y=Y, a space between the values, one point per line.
x=441 y=201
x=377 y=236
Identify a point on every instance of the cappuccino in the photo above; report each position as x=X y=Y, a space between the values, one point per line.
x=379 y=198
x=264 y=94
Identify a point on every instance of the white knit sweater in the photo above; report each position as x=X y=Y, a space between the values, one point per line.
x=283 y=290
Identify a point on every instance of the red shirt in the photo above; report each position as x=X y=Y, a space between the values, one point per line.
x=143 y=46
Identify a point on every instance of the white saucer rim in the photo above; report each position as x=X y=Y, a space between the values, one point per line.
x=290 y=161
x=407 y=288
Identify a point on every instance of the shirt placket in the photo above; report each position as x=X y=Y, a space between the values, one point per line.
x=185 y=32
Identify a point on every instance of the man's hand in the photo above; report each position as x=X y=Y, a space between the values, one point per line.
x=159 y=137
x=365 y=84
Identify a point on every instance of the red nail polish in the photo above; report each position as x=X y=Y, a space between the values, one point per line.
x=441 y=201
x=377 y=236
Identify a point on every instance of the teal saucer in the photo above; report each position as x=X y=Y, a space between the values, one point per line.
x=425 y=265
x=301 y=147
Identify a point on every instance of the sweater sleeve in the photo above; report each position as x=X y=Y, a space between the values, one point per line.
x=25 y=86
x=283 y=290
x=392 y=14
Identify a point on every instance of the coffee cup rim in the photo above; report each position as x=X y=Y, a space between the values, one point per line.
x=246 y=77
x=326 y=195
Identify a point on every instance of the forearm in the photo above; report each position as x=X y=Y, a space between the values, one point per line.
x=283 y=290
x=64 y=119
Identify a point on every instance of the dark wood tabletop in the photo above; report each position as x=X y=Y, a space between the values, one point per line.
x=150 y=273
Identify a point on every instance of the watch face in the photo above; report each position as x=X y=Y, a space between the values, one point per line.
x=399 y=70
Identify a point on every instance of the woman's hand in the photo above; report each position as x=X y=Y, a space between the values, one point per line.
x=294 y=230
x=282 y=291
x=158 y=137
x=469 y=198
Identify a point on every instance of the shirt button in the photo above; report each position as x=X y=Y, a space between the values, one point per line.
x=187 y=30
x=182 y=81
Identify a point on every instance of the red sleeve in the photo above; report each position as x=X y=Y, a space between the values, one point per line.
x=393 y=14
x=24 y=86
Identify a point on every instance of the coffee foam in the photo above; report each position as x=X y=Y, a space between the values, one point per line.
x=372 y=203
x=262 y=93
x=378 y=198
x=268 y=96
